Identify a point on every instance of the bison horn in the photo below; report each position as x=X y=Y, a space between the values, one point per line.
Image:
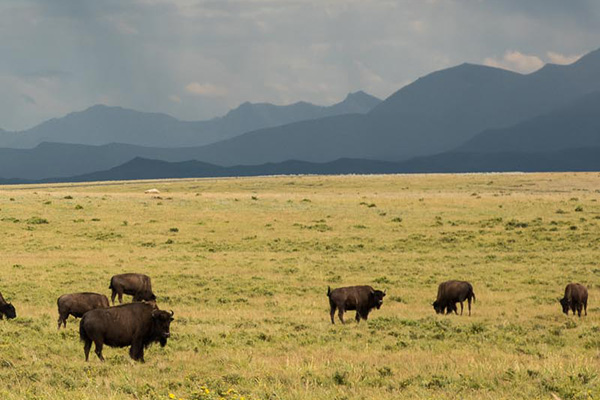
x=385 y=291
x=172 y=313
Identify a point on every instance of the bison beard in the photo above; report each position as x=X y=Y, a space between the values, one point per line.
x=137 y=325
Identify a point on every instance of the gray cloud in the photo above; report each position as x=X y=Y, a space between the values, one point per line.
x=196 y=59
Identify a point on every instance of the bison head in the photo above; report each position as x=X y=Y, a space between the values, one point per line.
x=162 y=322
x=8 y=310
x=377 y=298
x=144 y=296
x=439 y=309
x=565 y=305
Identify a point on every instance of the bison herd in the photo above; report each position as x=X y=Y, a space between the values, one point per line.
x=138 y=324
x=142 y=323
x=363 y=299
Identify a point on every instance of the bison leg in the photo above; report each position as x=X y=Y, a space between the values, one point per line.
x=86 y=348
x=341 y=315
x=136 y=351
x=469 y=304
x=462 y=307
x=332 y=313
x=62 y=318
x=579 y=308
x=112 y=296
x=98 y=349
x=585 y=306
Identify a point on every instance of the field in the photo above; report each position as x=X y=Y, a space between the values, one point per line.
x=245 y=265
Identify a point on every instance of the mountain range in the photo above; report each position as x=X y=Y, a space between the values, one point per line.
x=100 y=124
x=436 y=113
x=466 y=118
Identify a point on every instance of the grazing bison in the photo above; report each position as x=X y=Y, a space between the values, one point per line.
x=576 y=297
x=360 y=298
x=137 y=325
x=7 y=309
x=452 y=292
x=136 y=285
x=77 y=304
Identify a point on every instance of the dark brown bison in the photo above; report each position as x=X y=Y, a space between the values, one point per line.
x=136 y=324
x=452 y=292
x=7 y=309
x=576 y=297
x=136 y=285
x=360 y=298
x=77 y=304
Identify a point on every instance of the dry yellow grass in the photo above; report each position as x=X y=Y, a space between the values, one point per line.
x=245 y=265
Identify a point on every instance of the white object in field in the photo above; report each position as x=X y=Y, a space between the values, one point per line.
x=152 y=191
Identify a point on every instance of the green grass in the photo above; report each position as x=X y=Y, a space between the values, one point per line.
x=245 y=265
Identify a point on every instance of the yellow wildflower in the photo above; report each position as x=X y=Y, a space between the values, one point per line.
x=171 y=396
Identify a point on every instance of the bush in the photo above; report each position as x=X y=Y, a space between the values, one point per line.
x=37 y=221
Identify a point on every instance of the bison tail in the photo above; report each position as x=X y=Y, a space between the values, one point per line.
x=328 y=291
x=473 y=294
x=82 y=333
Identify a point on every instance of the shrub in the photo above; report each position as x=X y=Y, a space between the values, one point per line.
x=37 y=221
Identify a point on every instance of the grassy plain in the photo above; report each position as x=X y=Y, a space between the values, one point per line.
x=245 y=265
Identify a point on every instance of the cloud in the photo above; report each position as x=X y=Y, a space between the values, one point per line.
x=175 y=98
x=557 y=58
x=68 y=54
x=206 y=89
x=29 y=99
x=516 y=61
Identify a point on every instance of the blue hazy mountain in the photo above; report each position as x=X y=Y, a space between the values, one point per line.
x=579 y=159
x=575 y=125
x=101 y=124
x=434 y=114
x=466 y=118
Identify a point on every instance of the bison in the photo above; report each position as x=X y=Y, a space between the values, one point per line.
x=7 y=309
x=576 y=296
x=136 y=324
x=452 y=292
x=136 y=285
x=360 y=298
x=77 y=304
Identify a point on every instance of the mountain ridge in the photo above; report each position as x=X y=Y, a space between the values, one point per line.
x=101 y=124
x=434 y=114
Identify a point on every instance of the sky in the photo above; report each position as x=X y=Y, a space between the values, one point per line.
x=196 y=59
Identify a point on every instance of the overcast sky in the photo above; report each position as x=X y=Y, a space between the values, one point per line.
x=196 y=59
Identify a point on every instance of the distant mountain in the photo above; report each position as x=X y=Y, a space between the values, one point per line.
x=61 y=159
x=581 y=159
x=575 y=125
x=99 y=125
x=140 y=168
x=434 y=114
x=576 y=159
x=540 y=121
